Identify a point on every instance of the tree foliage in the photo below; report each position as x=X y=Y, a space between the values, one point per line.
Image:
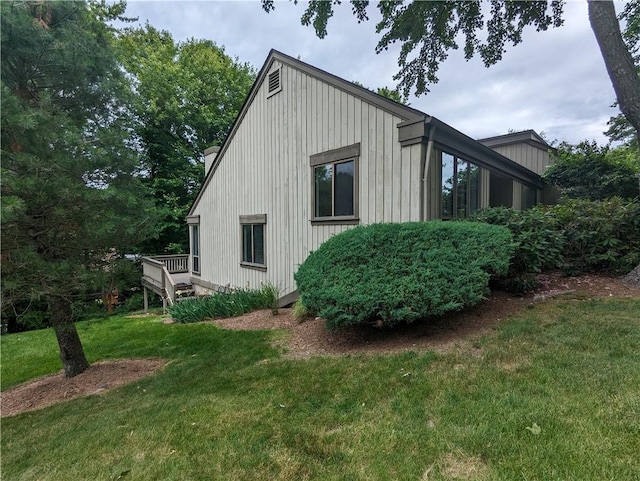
x=187 y=97
x=391 y=94
x=428 y=30
x=588 y=171
x=70 y=196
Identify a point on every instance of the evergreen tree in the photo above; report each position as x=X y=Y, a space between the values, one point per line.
x=70 y=196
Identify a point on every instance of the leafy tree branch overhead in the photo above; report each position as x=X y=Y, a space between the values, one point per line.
x=427 y=30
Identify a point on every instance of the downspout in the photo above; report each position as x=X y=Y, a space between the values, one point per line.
x=424 y=172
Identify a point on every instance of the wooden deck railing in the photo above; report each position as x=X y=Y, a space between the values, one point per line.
x=156 y=275
x=175 y=263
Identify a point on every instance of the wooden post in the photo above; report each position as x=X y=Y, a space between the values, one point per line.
x=146 y=300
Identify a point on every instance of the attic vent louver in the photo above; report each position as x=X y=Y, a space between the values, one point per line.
x=274 y=82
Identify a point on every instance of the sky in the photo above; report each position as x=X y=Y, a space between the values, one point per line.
x=554 y=82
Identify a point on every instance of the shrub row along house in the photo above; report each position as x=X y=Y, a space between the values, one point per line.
x=311 y=154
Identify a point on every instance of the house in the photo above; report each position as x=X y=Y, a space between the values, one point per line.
x=311 y=154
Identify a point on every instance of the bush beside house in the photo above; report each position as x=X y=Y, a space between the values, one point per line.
x=576 y=236
x=391 y=273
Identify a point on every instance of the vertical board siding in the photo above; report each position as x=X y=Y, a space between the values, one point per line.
x=265 y=170
x=517 y=195
x=433 y=189
x=484 y=189
x=526 y=155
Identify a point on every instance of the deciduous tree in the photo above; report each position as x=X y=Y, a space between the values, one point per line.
x=187 y=96
x=588 y=171
x=620 y=129
x=428 y=30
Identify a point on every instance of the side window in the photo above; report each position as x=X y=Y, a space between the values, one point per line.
x=252 y=233
x=195 y=247
x=194 y=237
x=335 y=185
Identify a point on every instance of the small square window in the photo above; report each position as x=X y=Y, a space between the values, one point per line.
x=253 y=240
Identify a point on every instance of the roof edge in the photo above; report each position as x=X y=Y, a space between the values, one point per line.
x=405 y=112
x=530 y=137
x=468 y=147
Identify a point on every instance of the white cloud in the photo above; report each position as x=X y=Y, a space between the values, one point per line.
x=554 y=81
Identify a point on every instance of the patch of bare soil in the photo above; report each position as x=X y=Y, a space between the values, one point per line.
x=311 y=338
x=99 y=378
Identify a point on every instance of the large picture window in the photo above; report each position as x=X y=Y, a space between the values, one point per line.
x=460 y=187
x=335 y=180
x=253 y=240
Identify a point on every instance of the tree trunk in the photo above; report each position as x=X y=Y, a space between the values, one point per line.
x=617 y=58
x=72 y=355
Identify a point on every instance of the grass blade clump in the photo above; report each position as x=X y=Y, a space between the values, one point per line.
x=392 y=273
x=226 y=304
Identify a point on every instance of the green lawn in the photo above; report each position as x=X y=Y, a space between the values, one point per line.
x=553 y=394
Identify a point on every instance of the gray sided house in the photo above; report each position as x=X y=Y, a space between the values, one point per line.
x=311 y=155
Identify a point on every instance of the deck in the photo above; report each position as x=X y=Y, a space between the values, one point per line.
x=167 y=276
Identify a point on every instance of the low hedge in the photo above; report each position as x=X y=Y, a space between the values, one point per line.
x=392 y=273
x=539 y=244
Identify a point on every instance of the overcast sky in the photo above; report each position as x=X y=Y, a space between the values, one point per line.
x=553 y=82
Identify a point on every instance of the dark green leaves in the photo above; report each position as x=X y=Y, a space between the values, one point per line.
x=427 y=30
x=587 y=171
x=187 y=97
x=392 y=273
x=69 y=191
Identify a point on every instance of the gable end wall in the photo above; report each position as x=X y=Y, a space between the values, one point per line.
x=265 y=170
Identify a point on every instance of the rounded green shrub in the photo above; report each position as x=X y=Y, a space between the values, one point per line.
x=392 y=273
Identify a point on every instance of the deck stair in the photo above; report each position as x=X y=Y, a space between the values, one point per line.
x=168 y=276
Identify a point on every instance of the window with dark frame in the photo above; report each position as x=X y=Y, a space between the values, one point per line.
x=253 y=240
x=334 y=175
x=194 y=242
x=334 y=189
x=195 y=248
x=460 y=187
